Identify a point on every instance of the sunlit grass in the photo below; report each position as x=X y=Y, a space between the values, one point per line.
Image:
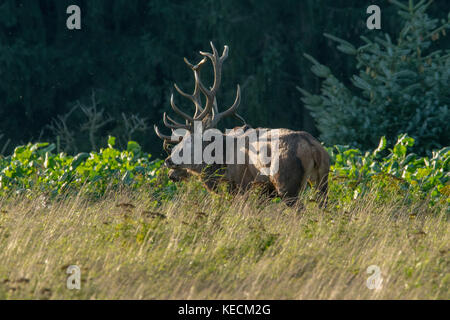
x=130 y=245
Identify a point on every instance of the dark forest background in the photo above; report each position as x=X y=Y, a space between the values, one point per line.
x=129 y=54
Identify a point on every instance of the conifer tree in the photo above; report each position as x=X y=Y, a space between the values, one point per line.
x=402 y=86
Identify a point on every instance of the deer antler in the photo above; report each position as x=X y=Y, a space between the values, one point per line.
x=195 y=98
x=217 y=63
x=209 y=114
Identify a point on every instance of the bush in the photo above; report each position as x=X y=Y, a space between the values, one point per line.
x=37 y=167
x=419 y=177
x=401 y=86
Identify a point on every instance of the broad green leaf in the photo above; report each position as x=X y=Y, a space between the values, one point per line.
x=111 y=142
x=78 y=160
x=134 y=147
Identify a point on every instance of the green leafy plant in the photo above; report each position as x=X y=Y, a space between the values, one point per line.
x=37 y=166
x=424 y=177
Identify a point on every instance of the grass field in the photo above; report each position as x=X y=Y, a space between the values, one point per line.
x=131 y=245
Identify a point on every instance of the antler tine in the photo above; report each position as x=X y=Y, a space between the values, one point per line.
x=174 y=124
x=224 y=53
x=211 y=94
x=217 y=65
x=215 y=108
x=197 y=66
x=181 y=113
x=215 y=54
x=167 y=146
x=195 y=97
x=164 y=137
x=210 y=97
x=237 y=116
x=230 y=111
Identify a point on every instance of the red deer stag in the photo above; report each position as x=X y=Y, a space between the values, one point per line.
x=235 y=157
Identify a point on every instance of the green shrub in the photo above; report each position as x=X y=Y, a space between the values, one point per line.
x=35 y=166
x=420 y=177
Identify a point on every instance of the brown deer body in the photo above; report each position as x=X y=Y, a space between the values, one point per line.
x=298 y=156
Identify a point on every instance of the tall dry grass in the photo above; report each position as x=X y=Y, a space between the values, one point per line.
x=130 y=245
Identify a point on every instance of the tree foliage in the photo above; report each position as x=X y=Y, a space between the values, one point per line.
x=130 y=54
x=401 y=86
